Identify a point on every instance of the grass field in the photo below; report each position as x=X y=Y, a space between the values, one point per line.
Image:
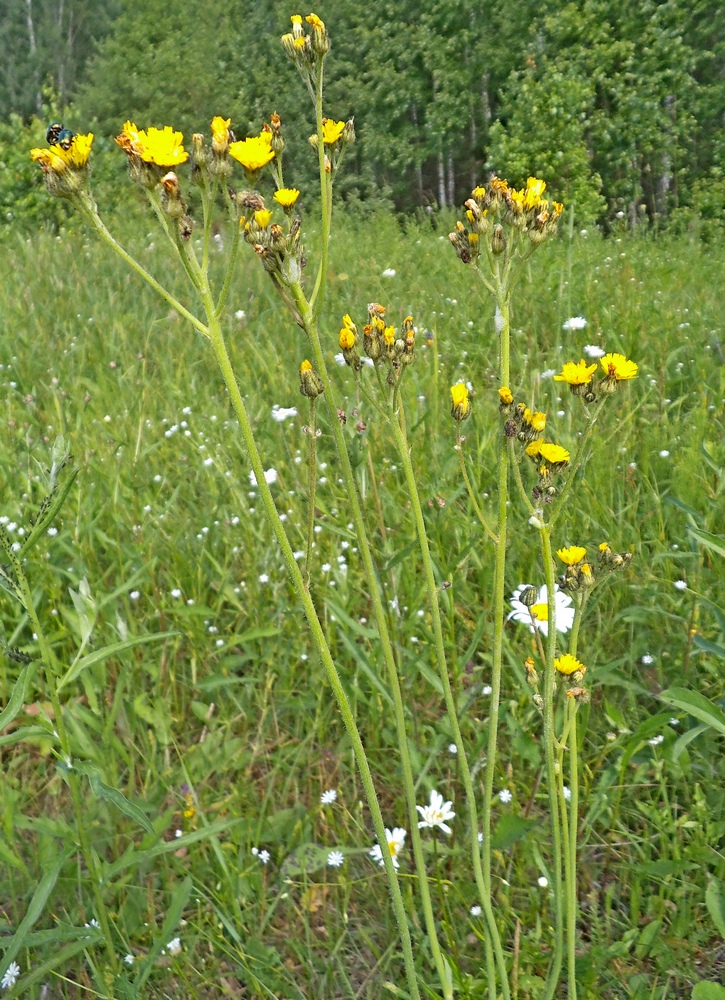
x=225 y=735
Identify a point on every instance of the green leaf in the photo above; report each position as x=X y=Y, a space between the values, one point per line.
x=133 y=858
x=103 y=654
x=17 y=696
x=57 y=961
x=684 y=741
x=34 y=912
x=509 y=829
x=716 y=543
x=350 y=623
x=44 y=522
x=697 y=705
x=176 y=907
x=398 y=557
x=715 y=902
x=709 y=647
x=25 y=733
x=119 y=800
x=307 y=858
x=708 y=991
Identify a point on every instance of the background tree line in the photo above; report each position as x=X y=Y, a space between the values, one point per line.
x=619 y=105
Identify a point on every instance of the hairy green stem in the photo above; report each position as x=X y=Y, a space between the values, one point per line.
x=310 y=326
x=484 y=888
x=312 y=459
x=551 y=776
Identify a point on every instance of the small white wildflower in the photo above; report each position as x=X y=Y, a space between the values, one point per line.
x=395 y=840
x=664 y=453
x=328 y=797
x=178 y=833
x=52 y=531
x=594 y=351
x=128 y=959
x=647 y=659
x=505 y=795
x=264 y=856
x=435 y=813
x=11 y=976
x=543 y=881
x=486 y=690
x=389 y=272
x=575 y=323
x=220 y=642
x=239 y=315
x=106 y=419
x=174 y=946
x=255 y=851
x=207 y=462
x=656 y=740
x=567 y=793
x=134 y=595
x=548 y=373
x=264 y=578
x=299 y=554
x=336 y=859
x=93 y=923
x=176 y=592
x=452 y=749
x=325 y=567
x=680 y=584
x=270 y=476
x=281 y=413
x=475 y=911
x=673 y=721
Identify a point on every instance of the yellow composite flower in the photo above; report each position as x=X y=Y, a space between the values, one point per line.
x=568 y=664
x=347 y=339
x=220 y=128
x=505 y=395
x=57 y=158
x=461 y=404
x=534 y=190
x=253 y=153
x=306 y=366
x=314 y=21
x=162 y=146
x=576 y=373
x=263 y=217
x=389 y=334
x=618 y=368
x=48 y=160
x=286 y=197
x=331 y=131
x=533 y=450
x=554 y=454
x=536 y=420
x=573 y=555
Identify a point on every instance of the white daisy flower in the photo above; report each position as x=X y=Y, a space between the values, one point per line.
x=336 y=859
x=128 y=959
x=174 y=946
x=540 y=609
x=505 y=796
x=395 y=840
x=680 y=584
x=281 y=413
x=575 y=323
x=656 y=740
x=11 y=976
x=648 y=660
x=475 y=911
x=389 y=272
x=264 y=856
x=452 y=749
x=594 y=351
x=328 y=797
x=436 y=813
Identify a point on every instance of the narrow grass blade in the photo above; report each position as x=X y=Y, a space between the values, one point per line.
x=43 y=523
x=33 y=914
x=113 y=650
x=57 y=961
x=132 y=858
x=716 y=543
x=17 y=696
x=697 y=705
x=176 y=907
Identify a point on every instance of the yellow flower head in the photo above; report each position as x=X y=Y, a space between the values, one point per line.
x=536 y=420
x=331 y=130
x=253 y=153
x=576 y=374
x=568 y=665
x=347 y=339
x=220 y=134
x=315 y=22
x=604 y=547
x=517 y=201
x=164 y=147
x=263 y=217
x=534 y=449
x=286 y=197
x=306 y=366
x=505 y=395
x=573 y=555
x=389 y=334
x=48 y=160
x=461 y=404
x=534 y=190
x=554 y=454
x=618 y=368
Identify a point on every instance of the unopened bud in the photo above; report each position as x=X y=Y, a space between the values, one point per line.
x=498 y=240
x=529 y=596
x=310 y=382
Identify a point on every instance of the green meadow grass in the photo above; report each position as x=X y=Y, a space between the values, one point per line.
x=230 y=719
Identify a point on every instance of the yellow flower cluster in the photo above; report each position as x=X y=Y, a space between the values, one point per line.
x=162 y=147
x=579 y=375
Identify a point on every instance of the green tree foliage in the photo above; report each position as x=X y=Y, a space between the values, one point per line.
x=618 y=105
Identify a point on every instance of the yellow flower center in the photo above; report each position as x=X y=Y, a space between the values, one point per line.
x=540 y=612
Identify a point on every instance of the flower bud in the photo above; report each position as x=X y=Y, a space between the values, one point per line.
x=498 y=240
x=310 y=382
x=529 y=596
x=460 y=402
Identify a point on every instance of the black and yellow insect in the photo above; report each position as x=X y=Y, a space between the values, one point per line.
x=58 y=135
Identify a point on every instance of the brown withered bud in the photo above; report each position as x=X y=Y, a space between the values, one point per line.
x=509 y=429
x=251 y=200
